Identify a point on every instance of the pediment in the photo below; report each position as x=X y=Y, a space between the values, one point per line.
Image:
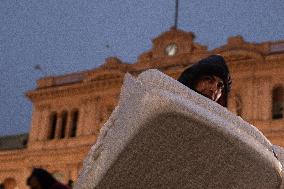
x=239 y=49
x=113 y=63
x=112 y=68
x=174 y=33
x=173 y=43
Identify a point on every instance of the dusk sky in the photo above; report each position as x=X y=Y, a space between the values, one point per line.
x=65 y=36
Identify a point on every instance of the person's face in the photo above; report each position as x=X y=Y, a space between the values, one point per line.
x=34 y=184
x=210 y=86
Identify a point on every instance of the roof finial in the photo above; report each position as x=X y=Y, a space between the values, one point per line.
x=176 y=15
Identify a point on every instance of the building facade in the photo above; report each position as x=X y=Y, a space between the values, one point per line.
x=69 y=110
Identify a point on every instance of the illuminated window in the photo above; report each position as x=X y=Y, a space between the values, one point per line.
x=52 y=124
x=277 y=103
x=75 y=115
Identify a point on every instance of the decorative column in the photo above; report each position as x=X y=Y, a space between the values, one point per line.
x=231 y=102
x=256 y=93
x=264 y=98
x=247 y=94
x=68 y=125
x=58 y=126
x=83 y=118
x=33 y=136
x=95 y=110
x=86 y=117
x=42 y=125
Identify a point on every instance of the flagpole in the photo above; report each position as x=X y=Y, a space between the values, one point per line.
x=176 y=15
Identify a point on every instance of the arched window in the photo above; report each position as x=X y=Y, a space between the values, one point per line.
x=75 y=117
x=10 y=183
x=239 y=105
x=277 y=103
x=52 y=125
x=63 y=124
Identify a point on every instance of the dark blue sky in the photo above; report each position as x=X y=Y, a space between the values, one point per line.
x=67 y=36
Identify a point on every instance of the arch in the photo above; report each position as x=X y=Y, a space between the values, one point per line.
x=64 y=117
x=277 y=102
x=52 y=125
x=74 y=122
x=10 y=183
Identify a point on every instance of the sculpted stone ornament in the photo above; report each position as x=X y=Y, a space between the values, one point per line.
x=164 y=135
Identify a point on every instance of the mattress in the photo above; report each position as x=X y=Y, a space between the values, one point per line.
x=164 y=135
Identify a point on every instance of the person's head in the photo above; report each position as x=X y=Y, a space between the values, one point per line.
x=209 y=77
x=40 y=179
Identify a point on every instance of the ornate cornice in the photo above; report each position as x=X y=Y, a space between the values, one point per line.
x=275 y=57
x=75 y=89
x=104 y=74
x=237 y=42
x=41 y=107
x=239 y=54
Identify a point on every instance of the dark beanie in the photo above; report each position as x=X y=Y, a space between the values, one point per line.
x=212 y=65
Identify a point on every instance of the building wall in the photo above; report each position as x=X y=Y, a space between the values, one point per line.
x=255 y=69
